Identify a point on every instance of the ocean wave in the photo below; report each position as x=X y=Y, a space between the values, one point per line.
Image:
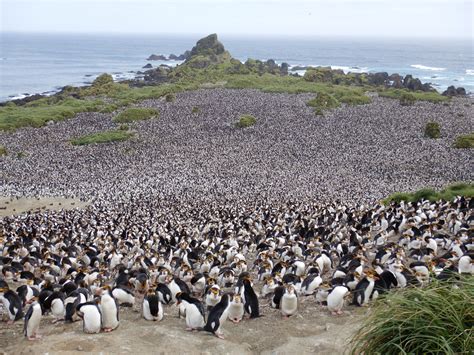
x=424 y=67
x=347 y=69
x=469 y=71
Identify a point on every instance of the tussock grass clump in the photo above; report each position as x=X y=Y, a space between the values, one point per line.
x=430 y=96
x=437 y=319
x=135 y=114
x=195 y=110
x=3 y=151
x=464 y=141
x=432 y=130
x=246 y=121
x=170 y=97
x=102 y=137
x=447 y=194
x=323 y=101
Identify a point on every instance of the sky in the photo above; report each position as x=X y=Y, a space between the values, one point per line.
x=349 y=18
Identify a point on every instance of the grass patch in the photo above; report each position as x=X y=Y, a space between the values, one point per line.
x=432 y=130
x=464 y=141
x=437 y=319
x=102 y=137
x=135 y=114
x=412 y=96
x=246 y=121
x=323 y=101
x=3 y=151
x=195 y=110
x=447 y=194
x=170 y=97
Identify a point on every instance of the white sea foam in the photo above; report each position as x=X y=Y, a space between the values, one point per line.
x=469 y=71
x=424 y=67
x=347 y=69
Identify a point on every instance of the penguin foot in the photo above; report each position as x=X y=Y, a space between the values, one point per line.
x=339 y=312
x=219 y=335
x=235 y=320
x=189 y=329
x=107 y=330
x=334 y=313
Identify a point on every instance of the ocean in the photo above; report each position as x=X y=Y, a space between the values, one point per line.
x=43 y=63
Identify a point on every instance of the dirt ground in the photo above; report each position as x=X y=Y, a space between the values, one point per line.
x=13 y=206
x=312 y=330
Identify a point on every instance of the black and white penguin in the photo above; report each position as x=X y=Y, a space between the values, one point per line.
x=310 y=284
x=12 y=303
x=194 y=311
x=124 y=295
x=91 y=316
x=213 y=296
x=26 y=293
x=152 y=308
x=277 y=296
x=164 y=293
x=109 y=310
x=235 y=311
x=71 y=302
x=55 y=303
x=289 y=302
x=33 y=320
x=335 y=299
x=250 y=299
x=364 y=289
x=217 y=317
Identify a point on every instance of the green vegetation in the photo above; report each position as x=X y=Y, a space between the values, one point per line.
x=135 y=114
x=3 y=151
x=170 y=97
x=432 y=130
x=123 y=127
x=21 y=155
x=437 y=319
x=102 y=137
x=464 y=141
x=409 y=97
x=195 y=110
x=447 y=194
x=246 y=121
x=322 y=102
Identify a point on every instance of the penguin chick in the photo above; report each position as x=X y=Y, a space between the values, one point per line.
x=236 y=309
x=289 y=302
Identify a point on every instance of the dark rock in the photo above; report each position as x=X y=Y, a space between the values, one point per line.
x=185 y=55
x=284 y=68
x=148 y=66
x=377 y=79
x=157 y=57
x=173 y=57
x=461 y=91
x=207 y=46
x=412 y=83
x=452 y=91
x=25 y=100
x=397 y=80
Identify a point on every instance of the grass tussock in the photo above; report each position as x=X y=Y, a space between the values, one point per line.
x=409 y=97
x=447 y=194
x=3 y=151
x=437 y=319
x=246 y=121
x=465 y=141
x=135 y=114
x=102 y=137
x=432 y=130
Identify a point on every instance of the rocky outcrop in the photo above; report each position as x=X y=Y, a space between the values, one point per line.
x=157 y=57
x=208 y=46
x=453 y=91
x=148 y=66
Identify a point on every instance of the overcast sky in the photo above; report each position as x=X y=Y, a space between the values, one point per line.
x=394 y=18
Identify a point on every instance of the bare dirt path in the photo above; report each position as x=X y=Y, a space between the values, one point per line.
x=13 y=206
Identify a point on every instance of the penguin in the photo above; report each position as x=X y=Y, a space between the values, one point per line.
x=109 y=310
x=322 y=293
x=217 y=316
x=289 y=302
x=71 y=302
x=194 y=311
x=250 y=299
x=26 y=293
x=33 y=320
x=12 y=303
x=55 y=303
x=152 y=308
x=164 y=293
x=236 y=310
x=213 y=296
x=335 y=299
x=268 y=287
x=91 y=316
x=198 y=283
x=310 y=284
x=364 y=289
x=277 y=296
x=123 y=295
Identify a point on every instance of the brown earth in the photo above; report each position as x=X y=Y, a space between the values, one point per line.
x=13 y=206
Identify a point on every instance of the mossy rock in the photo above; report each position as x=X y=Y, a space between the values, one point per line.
x=432 y=130
x=465 y=141
x=246 y=121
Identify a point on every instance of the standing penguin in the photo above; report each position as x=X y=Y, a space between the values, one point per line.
x=91 y=316
x=152 y=308
x=32 y=320
x=213 y=296
x=235 y=310
x=217 y=316
x=194 y=311
x=364 y=289
x=109 y=310
x=289 y=302
x=335 y=299
x=11 y=302
x=250 y=299
x=164 y=293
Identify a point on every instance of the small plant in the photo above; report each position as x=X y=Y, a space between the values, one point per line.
x=323 y=101
x=465 y=141
x=448 y=193
x=432 y=130
x=123 y=127
x=21 y=155
x=102 y=137
x=246 y=121
x=135 y=114
x=3 y=151
x=407 y=99
x=195 y=110
x=170 y=97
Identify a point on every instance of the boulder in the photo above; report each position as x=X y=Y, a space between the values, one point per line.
x=453 y=91
x=173 y=57
x=157 y=57
x=412 y=83
x=208 y=46
x=396 y=80
x=377 y=79
x=148 y=66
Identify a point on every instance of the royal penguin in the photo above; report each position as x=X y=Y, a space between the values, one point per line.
x=91 y=316
x=277 y=296
x=322 y=293
x=55 y=303
x=269 y=286
x=164 y=294
x=364 y=289
x=124 y=295
x=194 y=311
x=289 y=302
x=217 y=317
x=335 y=299
x=109 y=310
x=213 y=296
x=152 y=309
x=33 y=320
x=310 y=284
x=235 y=310
x=250 y=299
x=11 y=302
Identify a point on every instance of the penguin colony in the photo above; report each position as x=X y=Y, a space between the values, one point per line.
x=213 y=265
